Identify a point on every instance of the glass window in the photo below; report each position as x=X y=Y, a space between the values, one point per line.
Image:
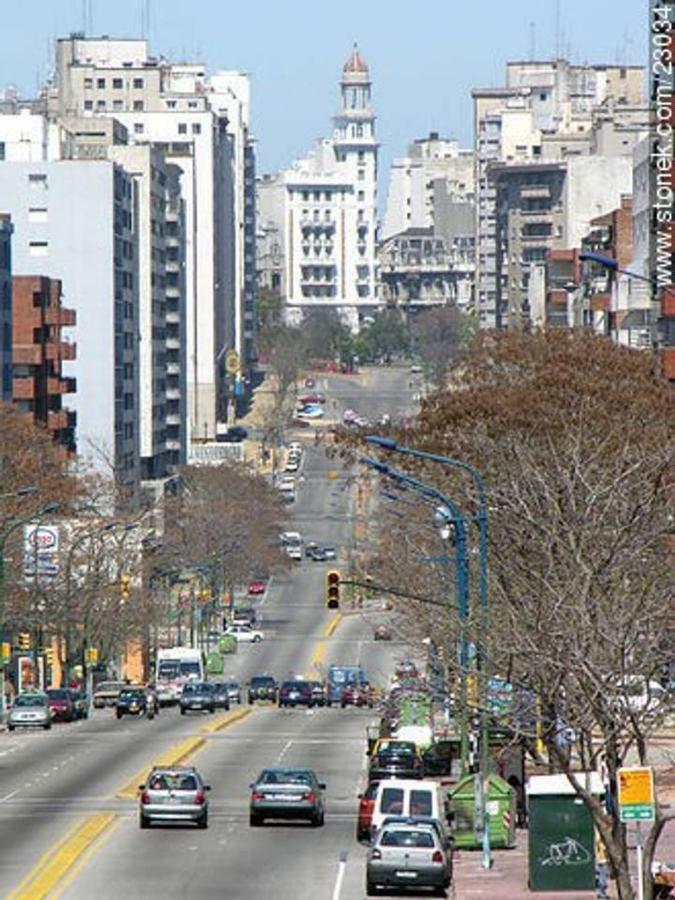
x=138 y=128
x=138 y=82
x=118 y=104
x=138 y=105
x=117 y=83
x=89 y=82
x=420 y=803
x=182 y=128
x=88 y=104
x=196 y=128
x=100 y=82
x=392 y=801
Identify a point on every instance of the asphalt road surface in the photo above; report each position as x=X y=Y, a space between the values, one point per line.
x=52 y=781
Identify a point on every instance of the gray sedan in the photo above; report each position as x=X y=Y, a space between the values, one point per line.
x=174 y=795
x=405 y=855
x=285 y=793
x=197 y=695
x=30 y=711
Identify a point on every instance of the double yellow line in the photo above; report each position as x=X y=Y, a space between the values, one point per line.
x=319 y=655
x=59 y=866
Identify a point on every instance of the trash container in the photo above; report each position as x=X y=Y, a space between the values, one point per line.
x=560 y=838
x=501 y=807
x=214 y=663
x=227 y=644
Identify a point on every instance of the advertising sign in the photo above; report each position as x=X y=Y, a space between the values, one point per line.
x=41 y=551
x=636 y=794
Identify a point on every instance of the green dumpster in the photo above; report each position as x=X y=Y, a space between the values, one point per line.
x=214 y=663
x=501 y=808
x=227 y=644
x=560 y=837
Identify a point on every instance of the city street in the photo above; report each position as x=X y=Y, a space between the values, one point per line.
x=51 y=782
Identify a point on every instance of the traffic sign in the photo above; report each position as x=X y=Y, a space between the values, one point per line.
x=636 y=794
x=231 y=362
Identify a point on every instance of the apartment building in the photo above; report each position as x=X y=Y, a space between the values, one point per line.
x=6 y=230
x=76 y=220
x=548 y=111
x=40 y=350
x=201 y=124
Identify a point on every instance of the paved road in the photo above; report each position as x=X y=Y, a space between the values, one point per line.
x=50 y=781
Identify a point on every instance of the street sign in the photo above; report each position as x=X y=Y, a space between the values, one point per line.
x=636 y=794
x=231 y=362
x=41 y=551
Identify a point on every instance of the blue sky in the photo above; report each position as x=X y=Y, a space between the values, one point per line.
x=424 y=57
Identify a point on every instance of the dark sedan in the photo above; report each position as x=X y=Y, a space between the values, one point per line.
x=197 y=696
x=395 y=761
x=296 y=693
x=133 y=702
x=281 y=793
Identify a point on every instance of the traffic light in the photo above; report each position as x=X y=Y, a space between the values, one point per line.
x=48 y=653
x=332 y=589
x=91 y=656
x=5 y=652
x=24 y=641
x=125 y=582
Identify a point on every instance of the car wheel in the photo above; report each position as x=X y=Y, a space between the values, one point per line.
x=203 y=821
x=255 y=820
x=250 y=701
x=317 y=820
x=150 y=715
x=371 y=889
x=212 y=710
x=119 y=714
x=143 y=821
x=46 y=726
x=343 y=705
x=11 y=727
x=257 y=639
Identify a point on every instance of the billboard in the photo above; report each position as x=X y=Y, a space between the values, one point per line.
x=41 y=551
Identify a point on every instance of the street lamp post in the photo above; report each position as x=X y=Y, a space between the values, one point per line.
x=461 y=582
x=16 y=524
x=390 y=444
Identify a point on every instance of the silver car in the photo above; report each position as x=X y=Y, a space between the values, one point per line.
x=405 y=855
x=287 y=793
x=30 y=711
x=174 y=795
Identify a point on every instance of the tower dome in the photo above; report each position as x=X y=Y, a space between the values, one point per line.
x=355 y=70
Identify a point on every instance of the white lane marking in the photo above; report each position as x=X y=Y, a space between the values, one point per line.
x=9 y=796
x=337 y=890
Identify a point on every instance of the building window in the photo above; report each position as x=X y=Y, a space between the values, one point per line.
x=138 y=83
x=37 y=214
x=170 y=104
x=38 y=248
x=117 y=83
x=88 y=82
x=362 y=156
x=100 y=104
x=37 y=180
x=359 y=130
x=192 y=104
x=2 y=151
x=100 y=83
x=138 y=105
x=305 y=195
x=361 y=196
x=182 y=128
x=196 y=128
x=361 y=174
x=118 y=104
x=88 y=104
x=138 y=128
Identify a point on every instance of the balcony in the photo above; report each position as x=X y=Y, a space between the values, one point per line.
x=62 y=350
x=55 y=315
x=173 y=368
x=23 y=389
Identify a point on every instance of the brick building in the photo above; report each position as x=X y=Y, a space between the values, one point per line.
x=38 y=354
x=6 y=230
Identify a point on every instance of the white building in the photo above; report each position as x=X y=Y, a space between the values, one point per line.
x=201 y=125
x=76 y=220
x=330 y=211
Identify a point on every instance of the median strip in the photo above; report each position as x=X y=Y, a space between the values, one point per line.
x=58 y=861
x=180 y=753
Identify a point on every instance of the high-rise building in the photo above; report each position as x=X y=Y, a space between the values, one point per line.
x=39 y=351
x=201 y=124
x=77 y=221
x=549 y=111
x=5 y=307
x=329 y=211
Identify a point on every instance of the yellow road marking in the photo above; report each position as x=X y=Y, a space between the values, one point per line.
x=319 y=655
x=55 y=864
x=94 y=847
x=181 y=752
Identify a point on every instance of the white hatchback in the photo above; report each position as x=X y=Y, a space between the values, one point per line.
x=245 y=634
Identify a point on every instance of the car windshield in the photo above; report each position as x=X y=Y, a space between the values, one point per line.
x=168 y=670
x=285 y=777
x=172 y=781
x=262 y=681
x=131 y=695
x=196 y=688
x=190 y=668
x=295 y=685
x=108 y=686
x=407 y=838
x=34 y=700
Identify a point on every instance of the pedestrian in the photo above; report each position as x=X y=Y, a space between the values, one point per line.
x=601 y=868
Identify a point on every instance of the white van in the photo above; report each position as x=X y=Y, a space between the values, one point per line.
x=408 y=797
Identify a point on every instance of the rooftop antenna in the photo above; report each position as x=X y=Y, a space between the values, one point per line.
x=533 y=42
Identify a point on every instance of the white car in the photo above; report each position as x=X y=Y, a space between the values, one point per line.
x=295 y=447
x=311 y=412
x=290 y=537
x=286 y=483
x=292 y=465
x=294 y=551
x=244 y=633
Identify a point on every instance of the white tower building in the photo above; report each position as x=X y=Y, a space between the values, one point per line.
x=330 y=210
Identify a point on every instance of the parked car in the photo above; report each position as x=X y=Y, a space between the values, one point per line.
x=174 y=795
x=132 y=702
x=233 y=435
x=262 y=687
x=310 y=548
x=256 y=587
x=395 y=761
x=197 y=695
x=292 y=464
x=221 y=695
x=234 y=691
x=382 y=633
x=287 y=793
x=406 y=669
x=296 y=693
x=60 y=704
x=365 y=814
x=80 y=703
x=408 y=853
x=107 y=692
x=408 y=797
x=244 y=615
x=245 y=634
x=30 y=710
